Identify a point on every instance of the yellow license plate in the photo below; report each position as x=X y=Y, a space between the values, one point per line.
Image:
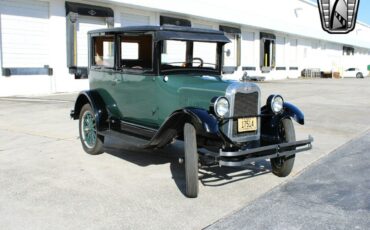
x=247 y=124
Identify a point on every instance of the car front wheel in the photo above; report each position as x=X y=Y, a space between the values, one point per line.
x=191 y=161
x=88 y=132
x=282 y=166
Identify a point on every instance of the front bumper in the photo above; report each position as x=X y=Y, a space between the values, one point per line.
x=243 y=157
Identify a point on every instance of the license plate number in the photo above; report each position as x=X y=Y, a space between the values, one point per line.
x=247 y=124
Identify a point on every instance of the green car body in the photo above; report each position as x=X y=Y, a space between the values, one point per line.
x=149 y=100
x=164 y=83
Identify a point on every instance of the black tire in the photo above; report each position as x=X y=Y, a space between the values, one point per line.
x=359 y=75
x=282 y=166
x=88 y=136
x=191 y=161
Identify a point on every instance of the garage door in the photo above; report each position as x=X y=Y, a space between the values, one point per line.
x=280 y=52
x=248 y=59
x=134 y=19
x=231 y=49
x=85 y=24
x=24 y=33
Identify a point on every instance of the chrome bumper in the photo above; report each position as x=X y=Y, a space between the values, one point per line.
x=232 y=159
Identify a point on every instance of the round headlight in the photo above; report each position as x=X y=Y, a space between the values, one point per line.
x=277 y=104
x=221 y=106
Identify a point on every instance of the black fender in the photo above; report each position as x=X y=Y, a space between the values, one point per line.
x=205 y=124
x=96 y=102
x=292 y=111
x=270 y=122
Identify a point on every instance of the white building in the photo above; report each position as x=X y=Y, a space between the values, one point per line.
x=43 y=43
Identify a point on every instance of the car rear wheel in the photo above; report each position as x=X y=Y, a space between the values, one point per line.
x=359 y=75
x=88 y=132
x=191 y=161
x=282 y=166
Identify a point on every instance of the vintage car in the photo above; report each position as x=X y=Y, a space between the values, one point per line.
x=157 y=84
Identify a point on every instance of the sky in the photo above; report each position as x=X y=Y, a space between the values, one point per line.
x=363 y=11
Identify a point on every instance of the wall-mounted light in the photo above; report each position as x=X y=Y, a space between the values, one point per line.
x=73 y=17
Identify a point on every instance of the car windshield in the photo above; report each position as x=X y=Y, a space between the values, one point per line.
x=189 y=55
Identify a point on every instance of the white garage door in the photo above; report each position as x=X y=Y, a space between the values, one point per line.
x=24 y=33
x=230 y=51
x=248 y=49
x=280 y=52
x=134 y=19
x=85 y=24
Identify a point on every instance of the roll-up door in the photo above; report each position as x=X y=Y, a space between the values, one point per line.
x=24 y=35
x=247 y=51
x=134 y=19
x=280 y=53
x=85 y=24
x=231 y=49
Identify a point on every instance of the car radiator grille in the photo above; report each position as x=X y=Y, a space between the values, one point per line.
x=245 y=104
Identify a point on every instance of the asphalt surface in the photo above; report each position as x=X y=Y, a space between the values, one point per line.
x=48 y=182
x=332 y=194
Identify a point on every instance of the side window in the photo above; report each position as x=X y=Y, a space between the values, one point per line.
x=103 y=52
x=207 y=52
x=130 y=51
x=174 y=53
x=136 y=52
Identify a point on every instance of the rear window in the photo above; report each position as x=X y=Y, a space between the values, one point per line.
x=103 y=52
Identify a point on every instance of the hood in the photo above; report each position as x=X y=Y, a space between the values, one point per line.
x=197 y=91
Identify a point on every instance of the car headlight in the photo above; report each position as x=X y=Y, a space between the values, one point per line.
x=221 y=106
x=277 y=104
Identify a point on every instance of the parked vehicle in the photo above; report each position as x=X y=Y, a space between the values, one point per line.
x=156 y=84
x=353 y=72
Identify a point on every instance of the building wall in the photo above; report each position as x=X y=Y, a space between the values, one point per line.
x=33 y=34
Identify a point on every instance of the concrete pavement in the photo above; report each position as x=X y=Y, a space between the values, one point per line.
x=334 y=193
x=47 y=181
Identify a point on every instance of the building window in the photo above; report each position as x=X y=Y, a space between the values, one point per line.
x=103 y=52
x=348 y=51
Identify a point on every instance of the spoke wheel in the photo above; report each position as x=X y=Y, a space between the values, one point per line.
x=88 y=131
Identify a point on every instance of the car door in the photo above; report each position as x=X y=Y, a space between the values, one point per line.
x=136 y=98
x=135 y=84
x=102 y=74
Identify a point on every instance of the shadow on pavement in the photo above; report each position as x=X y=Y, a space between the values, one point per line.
x=212 y=176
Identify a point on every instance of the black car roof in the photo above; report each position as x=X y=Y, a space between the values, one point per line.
x=170 y=32
x=156 y=28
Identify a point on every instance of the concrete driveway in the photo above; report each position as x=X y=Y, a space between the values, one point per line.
x=48 y=182
x=334 y=193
